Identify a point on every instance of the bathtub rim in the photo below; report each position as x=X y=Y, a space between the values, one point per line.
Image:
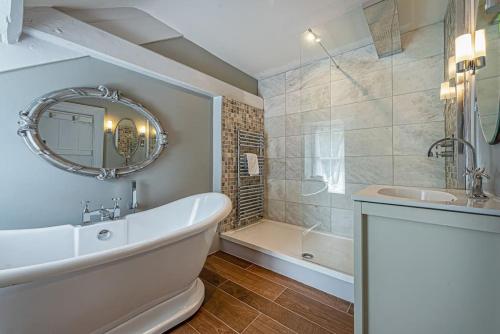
x=31 y=273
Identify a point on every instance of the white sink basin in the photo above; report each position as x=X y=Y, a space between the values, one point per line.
x=418 y=194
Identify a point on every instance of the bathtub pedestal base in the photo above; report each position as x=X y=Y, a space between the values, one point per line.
x=166 y=315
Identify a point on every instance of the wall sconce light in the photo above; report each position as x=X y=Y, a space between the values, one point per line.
x=109 y=126
x=142 y=135
x=469 y=57
x=447 y=91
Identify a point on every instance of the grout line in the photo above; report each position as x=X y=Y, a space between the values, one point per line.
x=301 y=293
x=189 y=325
x=251 y=322
x=244 y=268
x=263 y=278
x=279 y=305
x=216 y=317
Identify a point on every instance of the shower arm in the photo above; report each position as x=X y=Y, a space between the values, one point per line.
x=329 y=55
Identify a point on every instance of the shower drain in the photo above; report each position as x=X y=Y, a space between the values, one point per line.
x=308 y=256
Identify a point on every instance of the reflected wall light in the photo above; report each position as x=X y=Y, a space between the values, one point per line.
x=109 y=126
x=142 y=135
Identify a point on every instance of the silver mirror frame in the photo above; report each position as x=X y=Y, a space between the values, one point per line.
x=28 y=130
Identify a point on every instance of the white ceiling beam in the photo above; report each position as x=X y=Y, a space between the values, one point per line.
x=58 y=28
x=11 y=20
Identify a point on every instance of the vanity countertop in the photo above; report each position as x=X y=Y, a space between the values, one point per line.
x=490 y=206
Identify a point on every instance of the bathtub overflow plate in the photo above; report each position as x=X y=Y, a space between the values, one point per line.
x=104 y=235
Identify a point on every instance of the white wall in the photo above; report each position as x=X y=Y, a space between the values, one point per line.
x=35 y=194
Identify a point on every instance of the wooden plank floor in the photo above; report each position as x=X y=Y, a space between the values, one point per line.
x=241 y=297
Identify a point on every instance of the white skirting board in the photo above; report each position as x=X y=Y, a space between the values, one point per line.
x=318 y=280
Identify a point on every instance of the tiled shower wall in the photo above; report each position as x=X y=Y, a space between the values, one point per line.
x=369 y=123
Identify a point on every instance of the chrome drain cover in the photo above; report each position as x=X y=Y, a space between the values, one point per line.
x=308 y=256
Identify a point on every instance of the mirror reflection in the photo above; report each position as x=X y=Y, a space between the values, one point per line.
x=488 y=77
x=97 y=133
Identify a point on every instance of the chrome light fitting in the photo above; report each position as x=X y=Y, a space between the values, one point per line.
x=313 y=37
x=470 y=51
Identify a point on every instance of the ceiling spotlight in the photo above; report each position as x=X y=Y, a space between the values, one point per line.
x=311 y=36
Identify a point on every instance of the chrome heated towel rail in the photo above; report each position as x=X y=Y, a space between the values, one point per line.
x=250 y=188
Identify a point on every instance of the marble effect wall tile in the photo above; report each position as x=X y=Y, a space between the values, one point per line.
x=359 y=61
x=293 y=169
x=318 y=217
x=275 y=210
x=344 y=200
x=293 y=191
x=421 y=43
x=315 y=121
x=419 y=107
x=317 y=145
x=369 y=170
x=368 y=142
x=417 y=76
x=369 y=86
x=275 y=147
x=272 y=86
x=315 y=193
x=274 y=127
x=369 y=114
x=418 y=171
x=293 y=147
x=275 y=189
x=415 y=139
x=274 y=106
x=275 y=168
x=317 y=73
x=342 y=222
x=293 y=102
x=315 y=97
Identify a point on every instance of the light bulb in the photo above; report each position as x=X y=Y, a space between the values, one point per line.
x=445 y=90
x=463 y=48
x=479 y=44
x=310 y=36
x=142 y=130
x=109 y=125
x=452 y=70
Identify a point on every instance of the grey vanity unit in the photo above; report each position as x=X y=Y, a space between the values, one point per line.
x=426 y=262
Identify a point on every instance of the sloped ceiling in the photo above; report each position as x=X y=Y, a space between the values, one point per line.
x=263 y=37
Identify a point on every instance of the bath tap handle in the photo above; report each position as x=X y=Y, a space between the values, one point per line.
x=116 y=208
x=116 y=200
x=85 y=206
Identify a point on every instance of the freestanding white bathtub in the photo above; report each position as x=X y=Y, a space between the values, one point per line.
x=140 y=278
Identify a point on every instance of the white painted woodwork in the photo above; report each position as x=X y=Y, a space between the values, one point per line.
x=61 y=29
x=132 y=24
x=11 y=20
x=427 y=270
x=75 y=132
x=31 y=52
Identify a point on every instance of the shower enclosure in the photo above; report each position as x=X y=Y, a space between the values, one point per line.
x=361 y=106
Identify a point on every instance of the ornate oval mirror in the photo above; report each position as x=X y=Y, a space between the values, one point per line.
x=488 y=77
x=92 y=131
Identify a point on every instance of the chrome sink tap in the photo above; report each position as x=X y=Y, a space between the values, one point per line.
x=101 y=214
x=475 y=174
